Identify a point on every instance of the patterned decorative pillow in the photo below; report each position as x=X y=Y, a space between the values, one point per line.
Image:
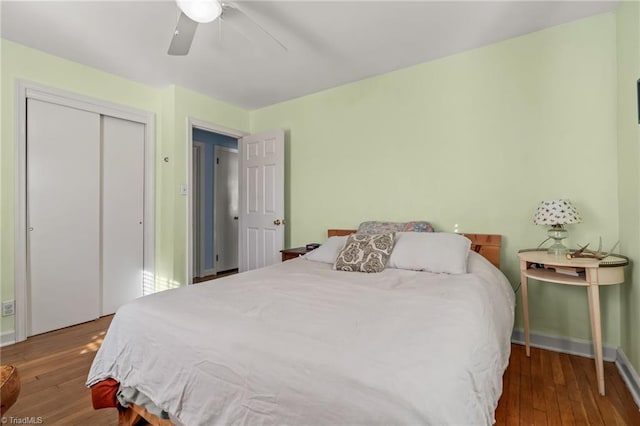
x=418 y=226
x=377 y=227
x=365 y=253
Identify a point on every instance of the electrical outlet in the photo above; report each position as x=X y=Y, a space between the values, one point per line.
x=8 y=308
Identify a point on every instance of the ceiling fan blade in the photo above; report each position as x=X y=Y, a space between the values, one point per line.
x=182 y=36
x=238 y=18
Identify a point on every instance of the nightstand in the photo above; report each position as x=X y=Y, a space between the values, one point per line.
x=292 y=253
x=584 y=272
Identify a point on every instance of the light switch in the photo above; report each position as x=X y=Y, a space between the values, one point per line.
x=184 y=189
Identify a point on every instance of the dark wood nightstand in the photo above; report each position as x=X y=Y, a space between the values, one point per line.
x=292 y=253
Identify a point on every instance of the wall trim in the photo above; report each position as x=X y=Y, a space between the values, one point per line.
x=629 y=375
x=26 y=89
x=7 y=338
x=199 y=221
x=565 y=345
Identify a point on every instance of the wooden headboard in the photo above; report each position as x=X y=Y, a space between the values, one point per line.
x=487 y=245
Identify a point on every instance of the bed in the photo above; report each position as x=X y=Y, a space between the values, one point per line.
x=301 y=343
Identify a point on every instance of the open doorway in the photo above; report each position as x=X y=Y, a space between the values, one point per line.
x=214 y=204
x=260 y=196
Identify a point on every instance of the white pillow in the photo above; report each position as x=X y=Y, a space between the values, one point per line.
x=327 y=252
x=438 y=252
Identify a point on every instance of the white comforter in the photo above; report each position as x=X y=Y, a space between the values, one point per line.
x=297 y=343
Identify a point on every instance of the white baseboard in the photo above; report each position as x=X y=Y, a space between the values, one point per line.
x=565 y=345
x=7 y=338
x=629 y=375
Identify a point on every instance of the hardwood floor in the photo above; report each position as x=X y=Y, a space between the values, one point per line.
x=552 y=388
x=213 y=277
x=53 y=368
x=547 y=389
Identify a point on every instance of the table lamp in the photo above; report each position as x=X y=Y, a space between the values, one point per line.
x=557 y=213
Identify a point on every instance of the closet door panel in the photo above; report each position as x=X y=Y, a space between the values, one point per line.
x=122 y=212
x=63 y=201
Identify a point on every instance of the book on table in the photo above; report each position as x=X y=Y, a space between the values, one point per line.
x=567 y=270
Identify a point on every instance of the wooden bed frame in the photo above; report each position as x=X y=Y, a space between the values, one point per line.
x=137 y=415
x=487 y=245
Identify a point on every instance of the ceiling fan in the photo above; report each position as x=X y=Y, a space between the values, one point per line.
x=194 y=12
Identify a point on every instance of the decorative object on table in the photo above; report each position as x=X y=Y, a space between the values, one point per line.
x=556 y=213
x=312 y=246
x=582 y=252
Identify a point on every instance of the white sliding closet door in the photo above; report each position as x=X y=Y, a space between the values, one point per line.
x=63 y=202
x=122 y=212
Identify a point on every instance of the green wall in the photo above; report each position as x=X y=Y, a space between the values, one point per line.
x=476 y=139
x=180 y=103
x=171 y=106
x=628 y=26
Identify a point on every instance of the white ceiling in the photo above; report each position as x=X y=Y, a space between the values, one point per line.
x=329 y=43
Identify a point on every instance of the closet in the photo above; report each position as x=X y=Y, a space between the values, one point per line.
x=85 y=210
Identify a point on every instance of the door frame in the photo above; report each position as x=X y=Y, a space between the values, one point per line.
x=209 y=127
x=198 y=220
x=26 y=89
x=217 y=149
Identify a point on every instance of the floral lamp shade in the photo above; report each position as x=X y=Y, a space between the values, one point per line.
x=556 y=212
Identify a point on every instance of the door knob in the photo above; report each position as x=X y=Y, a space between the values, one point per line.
x=235 y=218
x=277 y=222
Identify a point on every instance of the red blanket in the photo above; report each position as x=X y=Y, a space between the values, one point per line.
x=103 y=394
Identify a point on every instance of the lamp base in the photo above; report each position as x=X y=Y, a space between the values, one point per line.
x=557 y=233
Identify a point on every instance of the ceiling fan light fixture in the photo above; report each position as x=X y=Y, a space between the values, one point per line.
x=201 y=11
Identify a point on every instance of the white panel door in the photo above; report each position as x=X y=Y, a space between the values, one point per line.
x=226 y=209
x=122 y=212
x=262 y=200
x=63 y=216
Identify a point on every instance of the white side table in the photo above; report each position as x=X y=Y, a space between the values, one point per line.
x=592 y=273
